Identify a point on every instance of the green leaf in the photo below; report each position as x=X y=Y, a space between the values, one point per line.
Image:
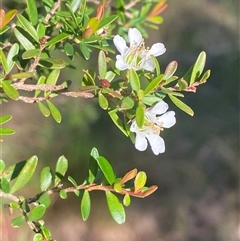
x=170 y=70
x=107 y=20
x=25 y=174
x=8 y=16
x=85 y=205
x=127 y=103
x=117 y=121
x=28 y=27
x=14 y=205
x=45 y=178
x=2 y=166
x=4 y=184
x=116 y=208
x=45 y=199
x=32 y=11
x=22 y=75
x=198 y=67
x=57 y=39
x=93 y=166
x=4 y=61
x=13 y=52
x=63 y=194
x=85 y=50
x=182 y=84
x=22 y=37
x=102 y=65
x=41 y=30
x=134 y=80
x=140 y=181
x=107 y=169
x=46 y=232
x=75 y=5
x=6 y=131
x=45 y=111
x=60 y=170
x=69 y=49
x=52 y=63
x=140 y=114
x=5 y=119
x=53 y=77
x=38 y=237
x=127 y=200
x=157 y=65
x=41 y=80
x=32 y=53
x=205 y=76
x=102 y=100
x=10 y=91
x=151 y=99
x=181 y=105
x=54 y=111
x=153 y=84
x=37 y=212
x=18 y=222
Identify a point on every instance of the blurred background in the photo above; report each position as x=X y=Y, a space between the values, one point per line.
x=197 y=176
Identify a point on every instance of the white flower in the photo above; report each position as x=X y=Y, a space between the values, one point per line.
x=155 y=120
x=136 y=56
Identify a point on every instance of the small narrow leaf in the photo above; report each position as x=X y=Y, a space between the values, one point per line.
x=63 y=194
x=129 y=176
x=55 y=112
x=25 y=174
x=181 y=105
x=117 y=121
x=4 y=185
x=10 y=91
x=3 y=61
x=21 y=35
x=116 y=208
x=107 y=169
x=45 y=178
x=107 y=20
x=84 y=49
x=45 y=199
x=2 y=166
x=53 y=77
x=18 y=222
x=28 y=27
x=38 y=237
x=37 y=212
x=5 y=119
x=127 y=103
x=134 y=80
x=140 y=114
x=60 y=170
x=57 y=38
x=85 y=205
x=198 y=67
x=127 y=200
x=6 y=131
x=102 y=64
x=22 y=75
x=32 y=53
x=13 y=52
x=32 y=11
x=52 y=63
x=140 y=181
x=102 y=100
x=170 y=70
x=45 y=111
x=153 y=84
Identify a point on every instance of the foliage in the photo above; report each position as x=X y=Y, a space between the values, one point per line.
x=31 y=73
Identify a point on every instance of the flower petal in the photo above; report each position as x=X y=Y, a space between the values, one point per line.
x=157 y=143
x=157 y=49
x=149 y=65
x=120 y=63
x=120 y=44
x=134 y=37
x=160 y=108
x=140 y=142
x=168 y=119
